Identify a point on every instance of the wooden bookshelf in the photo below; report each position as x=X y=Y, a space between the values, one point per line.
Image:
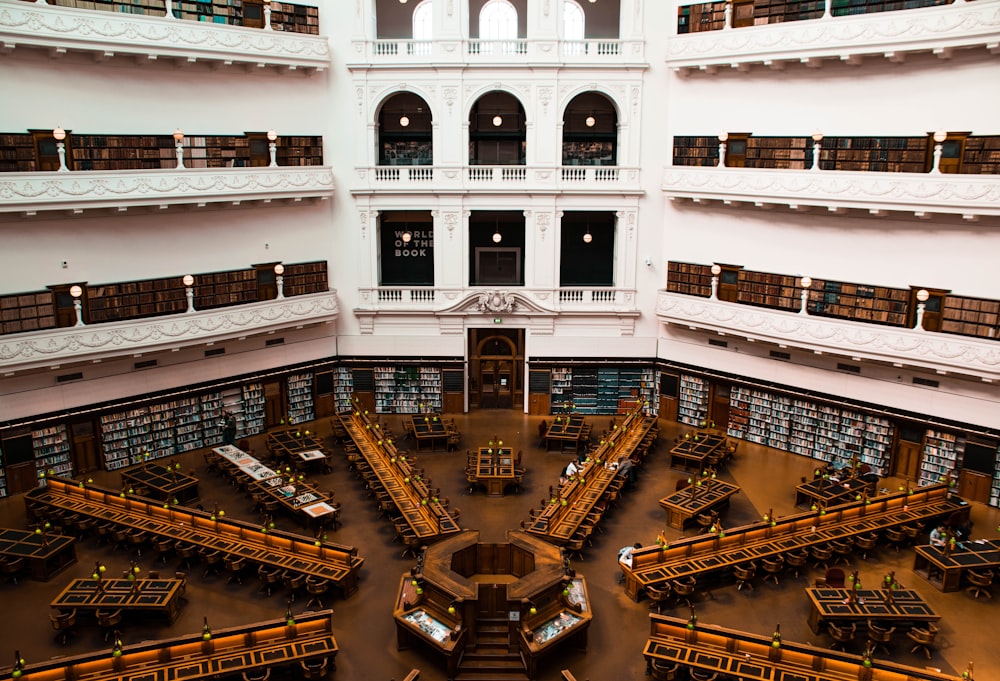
x=228 y=12
x=300 y=151
x=971 y=317
x=692 y=407
x=710 y=16
x=407 y=390
x=860 y=302
x=689 y=278
x=875 y=154
x=839 y=8
x=942 y=455
x=17 y=153
x=307 y=277
x=147 y=7
x=295 y=18
x=779 y=291
x=135 y=299
x=981 y=156
x=779 y=152
x=696 y=151
x=31 y=311
x=221 y=289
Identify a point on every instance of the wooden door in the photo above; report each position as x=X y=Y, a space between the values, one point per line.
x=907 y=460
x=46 y=150
x=492 y=601
x=253 y=13
x=84 y=447
x=742 y=13
x=952 y=152
x=729 y=283
x=719 y=407
x=267 y=287
x=453 y=387
x=933 y=308
x=974 y=486
x=274 y=404
x=64 y=307
x=736 y=149
x=21 y=477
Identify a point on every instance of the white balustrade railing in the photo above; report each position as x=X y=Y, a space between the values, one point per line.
x=616 y=179
x=521 y=51
x=531 y=300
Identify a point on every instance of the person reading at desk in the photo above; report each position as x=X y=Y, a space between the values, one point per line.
x=625 y=554
x=939 y=536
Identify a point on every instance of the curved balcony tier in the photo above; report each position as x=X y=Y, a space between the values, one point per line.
x=890 y=35
x=33 y=193
x=941 y=353
x=36 y=349
x=148 y=38
x=920 y=194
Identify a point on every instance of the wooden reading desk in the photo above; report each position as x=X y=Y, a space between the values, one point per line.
x=566 y=432
x=285 y=444
x=295 y=496
x=833 y=605
x=495 y=469
x=45 y=554
x=428 y=518
x=143 y=596
x=752 y=657
x=163 y=484
x=578 y=498
x=703 y=496
x=229 y=653
x=711 y=555
x=336 y=563
x=429 y=430
x=691 y=453
x=945 y=571
x=830 y=492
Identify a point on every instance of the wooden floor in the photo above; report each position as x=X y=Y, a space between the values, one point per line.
x=365 y=630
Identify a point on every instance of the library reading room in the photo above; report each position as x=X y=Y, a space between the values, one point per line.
x=499 y=340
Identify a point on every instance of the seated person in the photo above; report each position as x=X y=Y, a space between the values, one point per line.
x=939 y=536
x=626 y=469
x=572 y=468
x=625 y=554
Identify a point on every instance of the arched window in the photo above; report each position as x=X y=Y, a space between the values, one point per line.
x=423 y=20
x=573 y=21
x=498 y=21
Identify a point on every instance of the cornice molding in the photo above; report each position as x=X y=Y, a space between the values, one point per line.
x=889 y=34
x=62 y=29
x=939 y=352
x=81 y=190
x=24 y=351
x=919 y=193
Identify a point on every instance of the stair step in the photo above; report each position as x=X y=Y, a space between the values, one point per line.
x=491 y=676
x=495 y=663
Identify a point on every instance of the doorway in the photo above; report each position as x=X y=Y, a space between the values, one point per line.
x=496 y=366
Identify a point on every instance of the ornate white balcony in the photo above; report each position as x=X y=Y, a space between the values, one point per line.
x=24 y=351
x=498 y=179
x=891 y=35
x=939 y=352
x=148 y=38
x=920 y=194
x=76 y=191
x=592 y=53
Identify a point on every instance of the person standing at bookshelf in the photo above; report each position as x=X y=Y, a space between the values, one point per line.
x=229 y=429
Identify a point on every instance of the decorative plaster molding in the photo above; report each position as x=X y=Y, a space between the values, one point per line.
x=496 y=301
x=958 y=25
x=909 y=192
x=86 y=189
x=66 y=28
x=23 y=351
x=872 y=342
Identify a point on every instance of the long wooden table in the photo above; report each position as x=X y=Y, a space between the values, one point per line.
x=833 y=605
x=695 y=450
x=429 y=430
x=702 y=497
x=495 y=469
x=284 y=550
x=830 y=492
x=565 y=432
x=296 y=496
x=230 y=652
x=946 y=571
x=577 y=499
x=751 y=657
x=286 y=444
x=707 y=555
x=163 y=484
x=144 y=596
x=46 y=555
x=428 y=518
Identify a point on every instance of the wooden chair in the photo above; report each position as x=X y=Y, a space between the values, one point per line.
x=294 y=582
x=744 y=575
x=834 y=578
x=269 y=578
x=684 y=589
x=658 y=595
x=842 y=636
x=316 y=587
x=213 y=561
x=314 y=669
x=880 y=637
x=258 y=674
x=63 y=623
x=11 y=568
x=821 y=555
x=896 y=537
x=865 y=544
x=773 y=568
x=842 y=549
x=703 y=674
x=108 y=620
x=661 y=670
x=923 y=638
x=796 y=560
x=234 y=566
x=980 y=583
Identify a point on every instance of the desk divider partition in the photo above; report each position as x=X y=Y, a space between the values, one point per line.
x=709 y=553
x=336 y=562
